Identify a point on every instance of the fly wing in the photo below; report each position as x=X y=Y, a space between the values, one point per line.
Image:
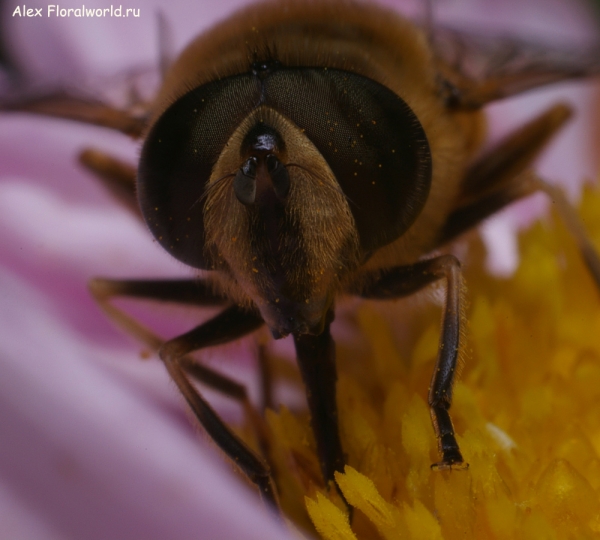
x=61 y=104
x=120 y=102
x=476 y=69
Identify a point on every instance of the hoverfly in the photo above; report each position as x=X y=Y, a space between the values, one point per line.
x=300 y=151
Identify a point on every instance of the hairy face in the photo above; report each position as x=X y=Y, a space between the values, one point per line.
x=288 y=233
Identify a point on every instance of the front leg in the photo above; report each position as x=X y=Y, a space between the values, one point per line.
x=230 y=324
x=405 y=280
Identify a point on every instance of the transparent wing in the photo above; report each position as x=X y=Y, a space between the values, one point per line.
x=476 y=69
x=118 y=102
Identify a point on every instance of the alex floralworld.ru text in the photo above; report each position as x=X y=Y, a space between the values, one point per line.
x=54 y=10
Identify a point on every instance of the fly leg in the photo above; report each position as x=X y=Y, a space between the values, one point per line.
x=571 y=219
x=502 y=176
x=229 y=325
x=190 y=292
x=266 y=378
x=115 y=175
x=405 y=280
x=80 y=108
x=316 y=360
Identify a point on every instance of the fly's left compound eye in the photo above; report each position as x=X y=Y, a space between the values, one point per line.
x=177 y=160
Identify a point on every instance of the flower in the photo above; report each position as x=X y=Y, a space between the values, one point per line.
x=92 y=442
x=525 y=408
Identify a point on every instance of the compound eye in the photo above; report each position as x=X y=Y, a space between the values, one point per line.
x=279 y=176
x=177 y=161
x=371 y=139
x=244 y=183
